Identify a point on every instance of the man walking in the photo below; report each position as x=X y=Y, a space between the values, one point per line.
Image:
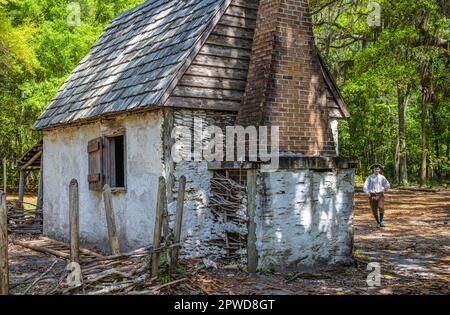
x=375 y=186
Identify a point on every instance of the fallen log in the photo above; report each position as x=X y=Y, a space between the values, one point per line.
x=122 y=286
x=42 y=249
x=136 y=253
x=82 y=250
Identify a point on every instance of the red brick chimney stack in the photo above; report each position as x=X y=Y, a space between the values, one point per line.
x=285 y=84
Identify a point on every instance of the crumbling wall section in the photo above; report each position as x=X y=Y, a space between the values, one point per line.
x=200 y=227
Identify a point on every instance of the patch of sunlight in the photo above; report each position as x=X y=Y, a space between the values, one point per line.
x=279 y=235
x=201 y=201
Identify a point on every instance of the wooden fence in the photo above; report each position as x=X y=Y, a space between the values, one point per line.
x=125 y=272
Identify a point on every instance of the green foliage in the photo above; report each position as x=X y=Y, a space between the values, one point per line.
x=38 y=50
x=371 y=63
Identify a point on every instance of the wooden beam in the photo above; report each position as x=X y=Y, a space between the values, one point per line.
x=252 y=255
x=236 y=165
x=226 y=29
x=224 y=51
x=85 y=251
x=74 y=213
x=234 y=42
x=214 y=83
x=333 y=87
x=158 y=224
x=200 y=92
x=32 y=160
x=215 y=72
x=221 y=62
x=201 y=103
x=110 y=221
x=43 y=249
x=178 y=220
x=242 y=11
x=246 y=4
x=40 y=195
x=4 y=272
x=240 y=22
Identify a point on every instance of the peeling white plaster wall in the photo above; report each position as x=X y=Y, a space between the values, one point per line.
x=199 y=226
x=65 y=157
x=304 y=218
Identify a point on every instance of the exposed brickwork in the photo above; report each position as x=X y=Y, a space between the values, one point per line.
x=285 y=85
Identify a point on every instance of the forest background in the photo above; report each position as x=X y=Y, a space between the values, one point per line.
x=389 y=58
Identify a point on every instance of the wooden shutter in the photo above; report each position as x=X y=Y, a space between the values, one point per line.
x=95 y=157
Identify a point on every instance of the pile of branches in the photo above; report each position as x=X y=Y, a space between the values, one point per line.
x=119 y=274
x=228 y=202
x=127 y=273
x=24 y=221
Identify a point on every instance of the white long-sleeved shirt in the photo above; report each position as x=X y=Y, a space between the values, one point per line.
x=376 y=184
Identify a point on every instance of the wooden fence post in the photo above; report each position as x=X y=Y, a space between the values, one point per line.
x=252 y=255
x=21 y=188
x=4 y=273
x=5 y=182
x=40 y=195
x=158 y=224
x=110 y=221
x=178 y=221
x=74 y=212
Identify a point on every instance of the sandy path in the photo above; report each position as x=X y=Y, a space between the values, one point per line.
x=413 y=251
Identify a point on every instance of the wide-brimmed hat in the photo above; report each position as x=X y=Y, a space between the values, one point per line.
x=373 y=166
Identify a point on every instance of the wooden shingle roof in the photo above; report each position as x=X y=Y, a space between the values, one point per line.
x=136 y=62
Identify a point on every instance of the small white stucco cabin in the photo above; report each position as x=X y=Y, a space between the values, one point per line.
x=165 y=65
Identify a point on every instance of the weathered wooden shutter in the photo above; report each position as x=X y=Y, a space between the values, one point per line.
x=95 y=173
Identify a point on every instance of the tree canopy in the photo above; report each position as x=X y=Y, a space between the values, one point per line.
x=39 y=48
x=390 y=59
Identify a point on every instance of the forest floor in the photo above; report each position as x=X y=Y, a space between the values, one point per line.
x=413 y=251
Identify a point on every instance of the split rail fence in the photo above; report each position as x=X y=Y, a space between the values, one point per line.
x=89 y=272
x=135 y=272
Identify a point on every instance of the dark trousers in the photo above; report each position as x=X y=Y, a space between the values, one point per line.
x=377 y=202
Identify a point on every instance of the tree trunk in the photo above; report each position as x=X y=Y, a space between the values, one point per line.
x=437 y=130
x=401 y=136
x=424 y=155
x=394 y=144
x=426 y=83
x=396 y=161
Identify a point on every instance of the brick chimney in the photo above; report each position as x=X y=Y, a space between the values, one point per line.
x=285 y=85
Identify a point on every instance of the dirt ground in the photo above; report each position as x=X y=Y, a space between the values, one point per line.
x=27 y=199
x=413 y=251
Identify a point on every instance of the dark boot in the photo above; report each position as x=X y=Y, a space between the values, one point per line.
x=381 y=219
x=378 y=221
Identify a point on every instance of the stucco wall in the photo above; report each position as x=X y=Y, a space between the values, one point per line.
x=304 y=218
x=65 y=157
